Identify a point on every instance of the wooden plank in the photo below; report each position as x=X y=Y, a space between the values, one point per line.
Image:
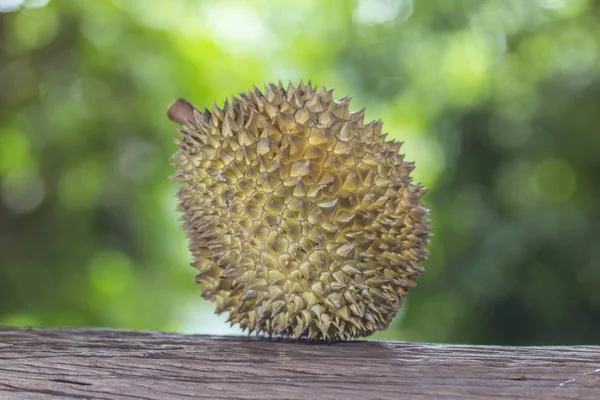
x=109 y=364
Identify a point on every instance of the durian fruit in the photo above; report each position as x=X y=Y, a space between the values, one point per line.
x=301 y=218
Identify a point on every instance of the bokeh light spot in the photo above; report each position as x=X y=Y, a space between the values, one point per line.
x=554 y=180
x=19 y=320
x=14 y=151
x=237 y=25
x=465 y=67
x=137 y=159
x=552 y=3
x=428 y=155
x=36 y=3
x=80 y=186
x=22 y=191
x=471 y=210
x=380 y=11
x=513 y=185
x=36 y=27
x=110 y=272
x=10 y=5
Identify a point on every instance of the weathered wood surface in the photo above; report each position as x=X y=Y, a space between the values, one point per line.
x=107 y=364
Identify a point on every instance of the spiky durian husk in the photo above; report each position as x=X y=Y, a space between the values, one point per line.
x=302 y=220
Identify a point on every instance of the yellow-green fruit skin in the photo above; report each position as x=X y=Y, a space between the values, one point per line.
x=302 y=219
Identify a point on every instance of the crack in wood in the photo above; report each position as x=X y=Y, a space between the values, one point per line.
x=71 y=382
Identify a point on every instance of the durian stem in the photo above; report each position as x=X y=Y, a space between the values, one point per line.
x=181 y=111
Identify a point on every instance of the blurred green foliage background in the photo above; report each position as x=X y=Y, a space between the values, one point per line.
x=498 y=102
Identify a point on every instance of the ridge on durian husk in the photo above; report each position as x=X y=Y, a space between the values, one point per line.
x=302 y=220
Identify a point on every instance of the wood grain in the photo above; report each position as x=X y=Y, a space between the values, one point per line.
x=109 y=364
